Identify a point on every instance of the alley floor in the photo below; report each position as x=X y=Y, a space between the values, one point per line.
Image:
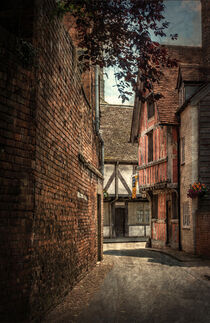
x=134 y=284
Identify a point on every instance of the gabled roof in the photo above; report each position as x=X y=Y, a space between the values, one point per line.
x=168 y=104
x=190 y=73
x=115 y=126
x=203 y=91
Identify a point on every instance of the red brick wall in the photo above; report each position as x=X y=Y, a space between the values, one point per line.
x=48 y=218
x=203 y=234
x=17 y=155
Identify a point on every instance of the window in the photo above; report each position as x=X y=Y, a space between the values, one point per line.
x=186 y=214
x=150 y=108
x=174 y=206
x=150 y=146
x=183 y=150
x=155 y=206
x=143 y=214
x=181 y=95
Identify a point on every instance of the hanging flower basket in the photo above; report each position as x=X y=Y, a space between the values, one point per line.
x=197 y=190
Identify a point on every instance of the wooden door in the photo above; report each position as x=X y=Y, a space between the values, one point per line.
x=120 y=222
x=168 y=222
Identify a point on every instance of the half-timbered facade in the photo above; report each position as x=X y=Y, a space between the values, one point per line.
x=124 y=216
x=158 y=173
x=155 y=127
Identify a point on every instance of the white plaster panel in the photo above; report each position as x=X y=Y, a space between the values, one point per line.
x=106 y=232
x=148 y=231
x=127 y=172
x=136 y=231
x=121 y=188
x=108 y=170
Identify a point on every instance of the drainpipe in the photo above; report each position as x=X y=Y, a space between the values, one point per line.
x=178 y=202
x=116 y=186
x=97 y=100
x=97 y=119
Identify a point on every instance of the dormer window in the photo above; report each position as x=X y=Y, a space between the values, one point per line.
x=186 y=91
x=150 y=146
x=150 y=109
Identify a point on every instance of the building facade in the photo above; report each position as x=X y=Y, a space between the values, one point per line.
x=155 y=126
x=51 y=180
x=124 y=216
x=194 y=168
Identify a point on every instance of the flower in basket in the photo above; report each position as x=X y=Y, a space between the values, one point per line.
x=197 y=189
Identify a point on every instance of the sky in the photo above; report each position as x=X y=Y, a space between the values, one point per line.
x=185 y=20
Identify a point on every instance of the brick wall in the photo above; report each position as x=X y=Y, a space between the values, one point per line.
x=188 y=175
x=49 y=226
x=203 y=234
x=17 y=154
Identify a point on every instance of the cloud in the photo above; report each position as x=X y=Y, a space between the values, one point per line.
x=113 y=99
x=194 y=5
x=111 y=91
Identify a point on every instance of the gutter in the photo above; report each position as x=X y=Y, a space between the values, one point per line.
x=97 y=119
x=116 y=192
x=178 y=202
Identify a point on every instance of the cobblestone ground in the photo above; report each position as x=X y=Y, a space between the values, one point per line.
x=134 y=284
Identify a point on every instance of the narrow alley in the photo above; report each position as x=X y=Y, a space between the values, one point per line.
x=135 y=284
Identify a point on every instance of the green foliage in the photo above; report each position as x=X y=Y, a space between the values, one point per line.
x=116 y=33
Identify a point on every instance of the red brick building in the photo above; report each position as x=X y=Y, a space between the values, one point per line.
x=156 y=128
x=173 y=136
x=51 y=163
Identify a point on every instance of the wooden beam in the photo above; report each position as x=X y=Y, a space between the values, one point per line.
x=110 y=181
x=124 y=183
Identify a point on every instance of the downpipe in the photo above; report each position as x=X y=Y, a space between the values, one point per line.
x=97 y=119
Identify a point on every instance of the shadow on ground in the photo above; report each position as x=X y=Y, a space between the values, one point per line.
x=151 y=256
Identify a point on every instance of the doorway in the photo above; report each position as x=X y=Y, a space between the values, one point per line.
x=168 y=222
x=120 y=222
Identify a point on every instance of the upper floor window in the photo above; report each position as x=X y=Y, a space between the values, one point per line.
x=185 y=214
x=150 y=109
x=155 y=206
x=182 y=150
x=150 y=146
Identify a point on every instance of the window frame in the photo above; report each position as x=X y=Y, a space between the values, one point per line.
x=182 y=149
x=186 y=215
x=155 y=206
x=150 y=111
x=150 y=146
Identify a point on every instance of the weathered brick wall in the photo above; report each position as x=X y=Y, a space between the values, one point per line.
x=65 y=228
x=49 y=208
x=158 y=233
x=188 y=175
x=17 y=156
x=203 y=233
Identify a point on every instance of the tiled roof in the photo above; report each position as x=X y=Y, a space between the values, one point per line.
x=190 y=73
x=168 y=105
x=115 y=126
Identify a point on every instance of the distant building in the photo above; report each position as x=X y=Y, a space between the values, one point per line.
x=124 y=216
